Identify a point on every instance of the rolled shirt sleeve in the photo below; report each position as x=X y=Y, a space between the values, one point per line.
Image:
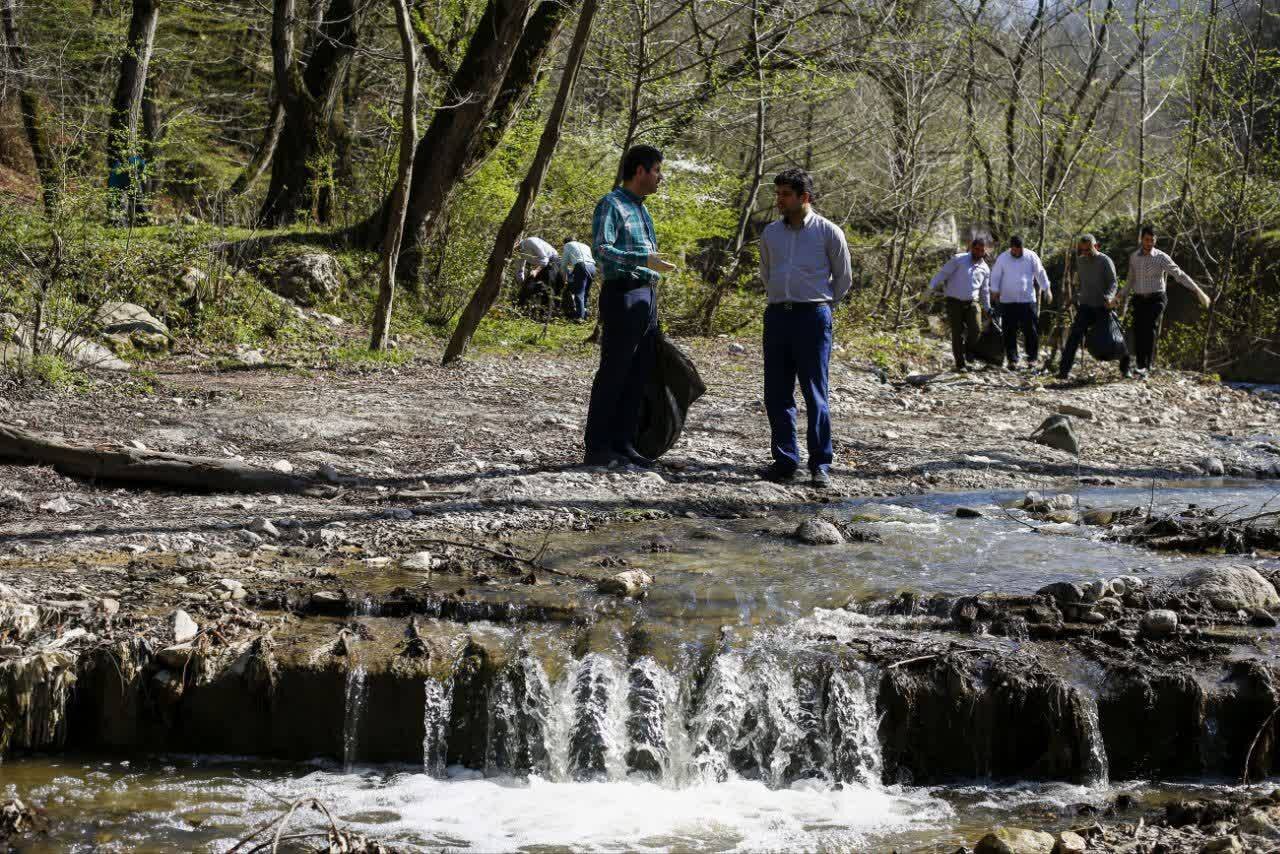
x=1179 y=275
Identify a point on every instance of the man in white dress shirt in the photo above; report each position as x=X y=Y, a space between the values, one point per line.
x=1017 y=281
x=966 y=282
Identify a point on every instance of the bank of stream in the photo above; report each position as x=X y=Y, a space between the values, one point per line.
x=907 y=689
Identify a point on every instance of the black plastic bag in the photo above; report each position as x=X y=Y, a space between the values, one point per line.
x=673 y=386
x=989 y=345
x=1105 y=340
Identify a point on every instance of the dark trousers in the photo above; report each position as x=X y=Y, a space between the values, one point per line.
x=1020 y=317
x=580 y=286
x=797 y=345
x=966 y=324
x=1086 y=317
x=1148 y=309
x=628 y=349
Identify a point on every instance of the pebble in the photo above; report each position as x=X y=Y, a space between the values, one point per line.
x=737 y=349
x=229 y=588
x=283 y=466
x=1095 y=590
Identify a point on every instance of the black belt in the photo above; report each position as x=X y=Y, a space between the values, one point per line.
x=791 y=306
x=627 y=284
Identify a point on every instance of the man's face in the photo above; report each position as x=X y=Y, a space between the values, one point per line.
x=1148 y=242
x=1084 y=248
x=788 y=200
x=1015 y=251
x=647 y=180
x=978 y=249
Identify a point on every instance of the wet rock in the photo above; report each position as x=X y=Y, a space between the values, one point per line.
x=1063 y=517
x=1095 y=590
x=1062 y=501
x=184 y=628
x=819 y=532
x=1232 y=588
x=1261 y=619
x=1223 y=845
x=1132 y=584
x=1263 y=822
x=1055 y=432
x=264 y=528
x=310 y=278
x=1110 y=607
x=1158 y=623
x=1015 y=840
x=1062 y=592
x=1092 y=616
x=11 y=499
x=1069 y=842
x=633 y=582
x=1098 y=517
x=328 y=602
x=417 y=562
x=968 y=513
x=1212 y=466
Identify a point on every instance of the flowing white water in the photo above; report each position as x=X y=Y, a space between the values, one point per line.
x=437 y=705
x=354 y=709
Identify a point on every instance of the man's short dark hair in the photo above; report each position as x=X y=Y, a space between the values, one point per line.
x=1148 y=229
x=798 y=180
x=979 y=237
x=1016 y=241
x=637 y=156
x=1087 y=238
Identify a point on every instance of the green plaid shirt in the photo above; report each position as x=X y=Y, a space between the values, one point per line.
x=623 y=238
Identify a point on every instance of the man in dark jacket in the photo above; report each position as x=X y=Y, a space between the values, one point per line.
x=1096 y=296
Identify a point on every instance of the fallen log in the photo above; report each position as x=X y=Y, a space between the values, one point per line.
x=112 y=462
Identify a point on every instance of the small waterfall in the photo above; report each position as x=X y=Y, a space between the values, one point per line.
x=853 y=727
x=655 y=726
x=598 y=738
x=356 y=677
x=719 y=717
x=519 y=702
x=1099 y=771
x=437 y=704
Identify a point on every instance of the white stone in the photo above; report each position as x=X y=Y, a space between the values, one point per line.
x=283 y=466
x=59 y=505
x=184 y=628
x=630 y=583
x=417 y=562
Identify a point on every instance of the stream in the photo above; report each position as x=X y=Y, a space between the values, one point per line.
x=734 y=718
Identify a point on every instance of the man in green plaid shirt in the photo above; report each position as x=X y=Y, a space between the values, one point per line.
x=626 y=247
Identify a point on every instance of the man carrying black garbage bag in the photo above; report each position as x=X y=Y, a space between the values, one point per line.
x=805 y=267
x=1096 y=296
x=626 y=248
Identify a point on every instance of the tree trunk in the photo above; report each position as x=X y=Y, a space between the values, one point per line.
x=482 y=300
x=400 y=194
x=32 y=113
x=1142 y=111
x=123 y=154
x=309 y=97
x=452 y=139
x=262 y=157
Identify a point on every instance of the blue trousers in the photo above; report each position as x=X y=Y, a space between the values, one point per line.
x=580 y=286
x=628 y=350
x=797 y=345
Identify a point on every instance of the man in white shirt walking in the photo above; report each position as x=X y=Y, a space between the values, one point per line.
x=805 y=267
x=966 y=282
x=1148 y=267
x=1017 y=281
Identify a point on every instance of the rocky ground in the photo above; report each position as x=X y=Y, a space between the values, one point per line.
x=445 y=478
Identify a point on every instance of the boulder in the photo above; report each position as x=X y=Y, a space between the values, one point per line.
x=1062 y=592
x=968 y=513
x=74 y=348
x=1095 y=590
x=1055 y=432
x=1069 y=843
x=125 y=317
x=633 y=582
x=264 y=528
x=1098 y=517
x=310 y=278
x=417 y=562
x=818 y=532
x=1062 y=501
x=1015 y=840
x=1232 y=588
x=1212 y=466
x=184 y=628
x=1158 y=623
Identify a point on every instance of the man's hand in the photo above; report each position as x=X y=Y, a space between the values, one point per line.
x=657 y=262
x=1205 y=301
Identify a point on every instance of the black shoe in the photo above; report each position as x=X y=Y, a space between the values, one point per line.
x=1062 y=378
x=604 y=459
x=777 y=474
x=820 y=479
x=635 y=457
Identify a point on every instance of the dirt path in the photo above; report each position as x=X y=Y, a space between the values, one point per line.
x=493 y=445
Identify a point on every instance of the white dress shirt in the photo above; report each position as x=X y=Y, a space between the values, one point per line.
x=537 y=251
x=575 y=253
x=1015 y=280
x=965 y=279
